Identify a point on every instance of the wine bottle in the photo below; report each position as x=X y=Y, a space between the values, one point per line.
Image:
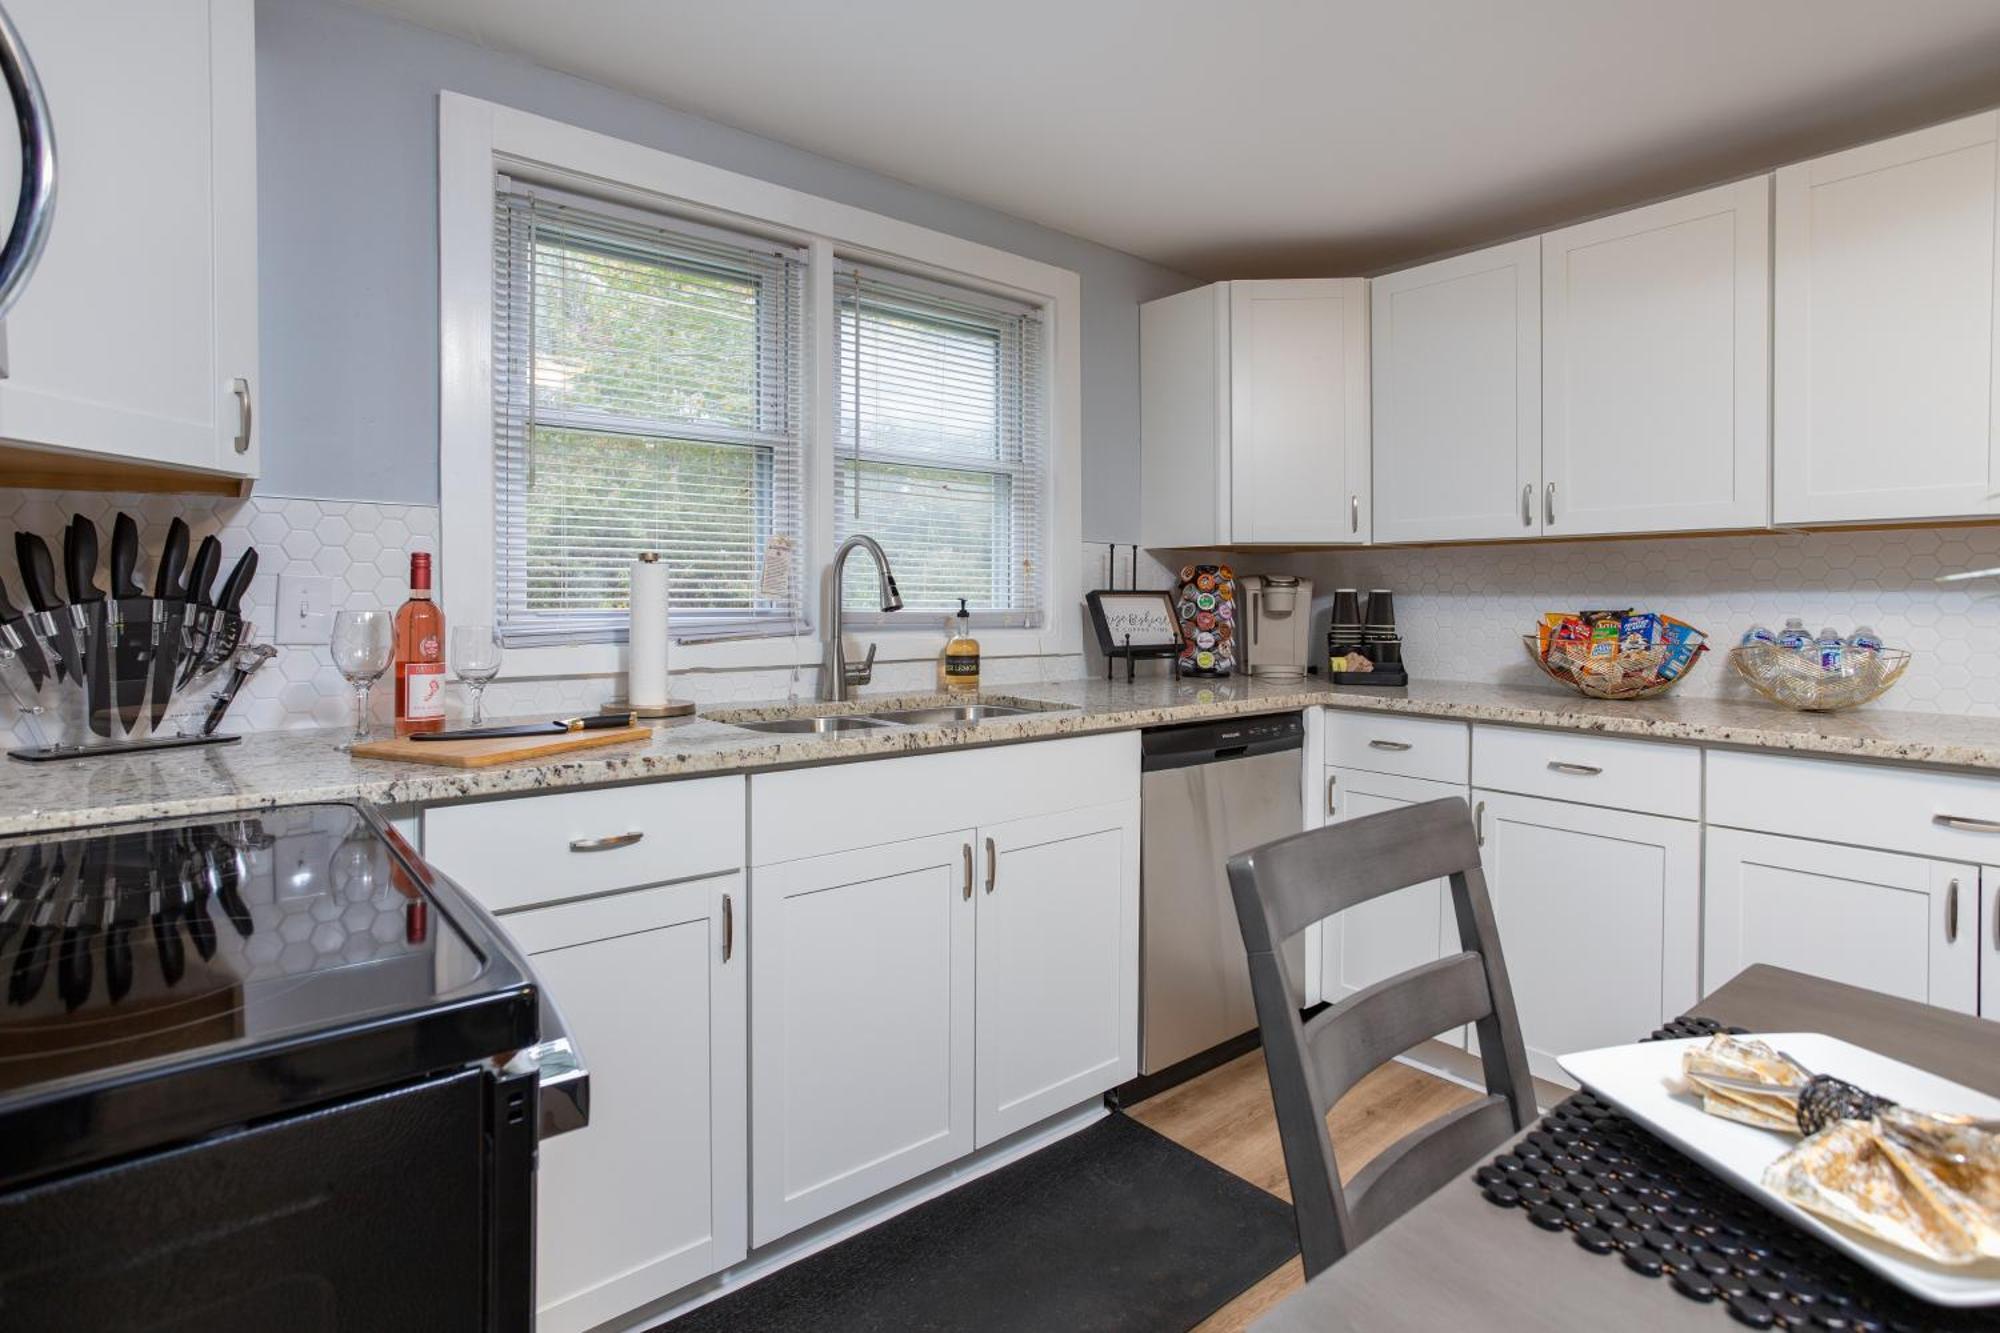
x=419 y=654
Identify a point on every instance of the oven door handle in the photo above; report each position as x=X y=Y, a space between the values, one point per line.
x=563 y=1091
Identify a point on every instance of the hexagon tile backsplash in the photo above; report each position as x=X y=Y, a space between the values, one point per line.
x=364 y=549
x=1462 y=609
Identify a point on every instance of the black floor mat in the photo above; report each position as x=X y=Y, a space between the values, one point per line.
x=1113 y=1228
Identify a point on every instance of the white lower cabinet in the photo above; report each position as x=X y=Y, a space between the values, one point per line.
x=652 y=1194
x=1989 y=934
x=861 y=1037
x=1399 y=930
x=1598 y=913
x=1904 y=925
x=1058 y=985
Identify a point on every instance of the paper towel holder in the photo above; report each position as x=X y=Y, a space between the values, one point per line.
x=668 y=708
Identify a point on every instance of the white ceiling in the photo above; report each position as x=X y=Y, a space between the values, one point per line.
x=1267 y=137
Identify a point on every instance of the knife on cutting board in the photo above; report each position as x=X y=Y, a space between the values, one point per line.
x=51 y=619
x=16 y=635
x=132 y=624
x=170 y=618
x=89 y=609
x=555 y=728
x=201 y=605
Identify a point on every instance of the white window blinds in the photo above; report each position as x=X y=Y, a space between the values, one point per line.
x=941 y=445
x=648 y=395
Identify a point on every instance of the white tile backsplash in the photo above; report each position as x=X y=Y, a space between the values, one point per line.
x=1462 y=609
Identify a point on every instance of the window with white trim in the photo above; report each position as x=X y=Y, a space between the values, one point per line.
x=941 y=444
x=648 y=393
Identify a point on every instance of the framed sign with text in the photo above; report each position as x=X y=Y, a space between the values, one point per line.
x=1143 y=624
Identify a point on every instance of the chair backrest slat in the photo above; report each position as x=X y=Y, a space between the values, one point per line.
x=1285 y=886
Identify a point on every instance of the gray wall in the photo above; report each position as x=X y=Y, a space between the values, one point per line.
x=347 y=220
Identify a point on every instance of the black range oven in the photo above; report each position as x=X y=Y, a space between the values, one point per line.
x=264 y=1073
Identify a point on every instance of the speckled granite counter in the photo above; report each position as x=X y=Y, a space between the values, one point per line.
x=287 y=768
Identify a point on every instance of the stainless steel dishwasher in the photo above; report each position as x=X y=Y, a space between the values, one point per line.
x=1210 y=790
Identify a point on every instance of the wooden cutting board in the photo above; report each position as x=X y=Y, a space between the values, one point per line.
x=496 y=749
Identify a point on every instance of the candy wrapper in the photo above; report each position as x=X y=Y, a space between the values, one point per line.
x=1924 y=1182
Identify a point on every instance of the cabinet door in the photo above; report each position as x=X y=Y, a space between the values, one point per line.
x=652 y=1194
x=1874 y=919
x=1598 y=913
x=1655 y=367
x=1399 y=930
x=1058 y=964
x=1298 y=394
x=1457 y=376
x=861 y=1038
x=143 y=311
x=1989 y=935
x=1886 y=398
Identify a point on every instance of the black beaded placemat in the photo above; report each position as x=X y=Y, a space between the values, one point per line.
x=1619 y=1192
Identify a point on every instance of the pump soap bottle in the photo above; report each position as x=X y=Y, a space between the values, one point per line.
x=959 y=672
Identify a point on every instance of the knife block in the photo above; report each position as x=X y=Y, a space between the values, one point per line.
x=56 y=717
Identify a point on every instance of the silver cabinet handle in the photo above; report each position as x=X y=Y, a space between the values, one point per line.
x=1964 y=825
x=1329 y=796
x=608 y=843
x=1354 y=513
x=1394 y=746
x=241 y=388
x=1951 y=914
x=1528 y=505
x=968 y=872
x=1479 y=824
x=1580 y=770
x=1549 y=505
x=728 y=927
x=992 y=864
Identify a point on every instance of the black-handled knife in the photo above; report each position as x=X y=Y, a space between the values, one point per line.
x=170 y=617
x=555 y=728
x=51 y=619
x=201 y=605
x=16 y=635
x=92 y=615
x=132 y=622
x=229 y=625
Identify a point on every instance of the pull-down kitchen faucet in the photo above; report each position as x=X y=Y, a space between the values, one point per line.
x=835 y=673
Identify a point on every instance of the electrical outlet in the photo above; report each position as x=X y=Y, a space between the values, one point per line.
x=305 y=608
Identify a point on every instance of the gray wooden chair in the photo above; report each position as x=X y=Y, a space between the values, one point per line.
x=1280 y=889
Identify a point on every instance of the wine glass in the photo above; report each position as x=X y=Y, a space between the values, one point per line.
x=361 y=643
x=475 y=660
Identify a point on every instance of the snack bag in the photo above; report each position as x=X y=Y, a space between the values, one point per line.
x=1682 y=642
x=1605 y=629
x=1639 y=632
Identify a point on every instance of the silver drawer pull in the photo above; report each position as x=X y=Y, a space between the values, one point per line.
x=1964 y=825
x=609 y=843
x=1580 y=770
x=1397 y=746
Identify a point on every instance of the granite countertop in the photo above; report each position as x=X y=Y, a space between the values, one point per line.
x=289 y=768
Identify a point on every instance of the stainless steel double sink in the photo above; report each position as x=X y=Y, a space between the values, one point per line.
x=829 y=724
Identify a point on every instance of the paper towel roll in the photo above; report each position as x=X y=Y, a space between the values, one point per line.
x=646 y=654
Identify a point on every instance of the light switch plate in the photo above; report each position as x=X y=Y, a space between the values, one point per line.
x=305 y=608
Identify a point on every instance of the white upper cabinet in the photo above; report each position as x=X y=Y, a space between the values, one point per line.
x=136 y=339
x=1254 y=417
x=1655 y=367
x=1885 y=347
x=1457 y=374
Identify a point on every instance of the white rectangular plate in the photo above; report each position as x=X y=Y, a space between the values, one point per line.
x=1644 y=1081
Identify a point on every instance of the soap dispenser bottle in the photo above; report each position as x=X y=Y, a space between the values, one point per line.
x=959 y=672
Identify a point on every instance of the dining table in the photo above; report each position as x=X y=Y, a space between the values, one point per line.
x=1455 y=1261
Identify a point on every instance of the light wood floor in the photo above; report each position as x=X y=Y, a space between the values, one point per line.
x=1225 y=1115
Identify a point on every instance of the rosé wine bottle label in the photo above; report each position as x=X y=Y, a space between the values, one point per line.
x=424 y=690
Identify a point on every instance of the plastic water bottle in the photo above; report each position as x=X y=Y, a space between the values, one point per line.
x=1757 y=634
x=1831 y=650
x=1795 y=635
x=1864 y=640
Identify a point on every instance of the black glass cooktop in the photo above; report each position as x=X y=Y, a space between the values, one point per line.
x=136 y=954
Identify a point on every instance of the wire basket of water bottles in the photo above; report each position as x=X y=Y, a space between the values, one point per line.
x=1817 y=673
x=1615 y=654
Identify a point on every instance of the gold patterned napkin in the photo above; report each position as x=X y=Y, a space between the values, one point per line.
x=1924 y=1182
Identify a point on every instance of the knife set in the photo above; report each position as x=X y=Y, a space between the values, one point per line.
x=99 y=671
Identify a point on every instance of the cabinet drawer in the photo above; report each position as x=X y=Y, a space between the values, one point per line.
x=1590 y=770
x=1409 y=747
x=1953 y=816
x=543 y=849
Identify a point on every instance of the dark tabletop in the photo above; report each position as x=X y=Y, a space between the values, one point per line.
x=1451 y=1263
